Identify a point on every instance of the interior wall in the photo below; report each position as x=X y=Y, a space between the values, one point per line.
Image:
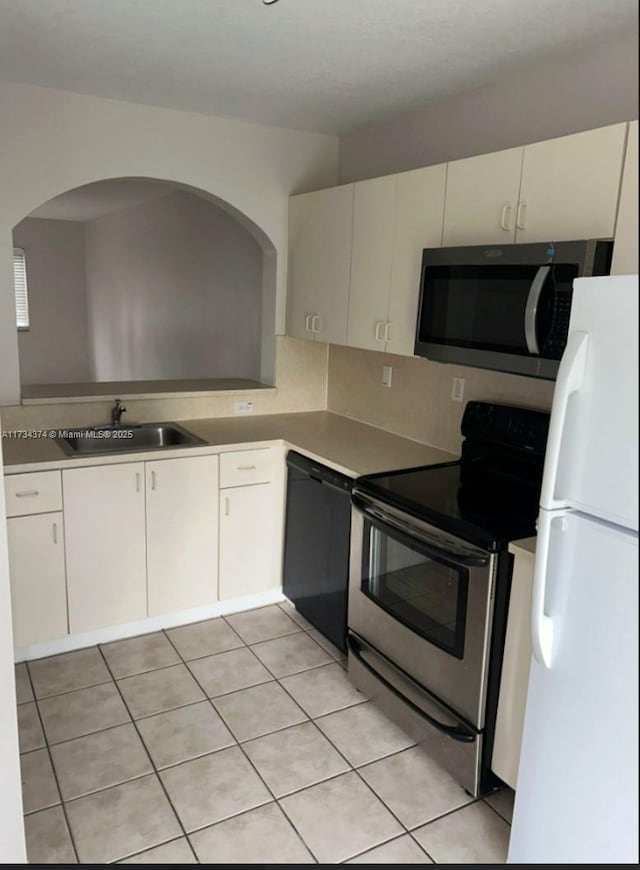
x=12 y=845
x=418 y=405
x=174 y=291
x=55 y=348
x=53 y=141
x=555 y=97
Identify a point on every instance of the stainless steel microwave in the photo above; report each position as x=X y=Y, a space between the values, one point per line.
x=503 y=307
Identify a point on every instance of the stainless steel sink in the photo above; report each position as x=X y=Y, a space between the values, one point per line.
x=124 y=439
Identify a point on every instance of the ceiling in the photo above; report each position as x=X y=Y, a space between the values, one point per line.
x=95 y=200
x=323 y=65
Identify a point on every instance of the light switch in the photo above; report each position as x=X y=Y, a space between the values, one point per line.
x=387 y=371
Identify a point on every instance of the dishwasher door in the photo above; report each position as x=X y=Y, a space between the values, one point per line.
x=317 y=540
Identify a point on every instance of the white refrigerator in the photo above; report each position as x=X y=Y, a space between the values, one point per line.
x=577 y=795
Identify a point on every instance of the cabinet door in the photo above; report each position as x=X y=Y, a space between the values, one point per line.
x=625 y=250
x=373 y=221
x=418 y=225
x=38 y=584
x=105 y=545
x=514 y=679
x=570 y=186
x=482 y=193
x=182 y=533
x=249 y=540
x=320 y=226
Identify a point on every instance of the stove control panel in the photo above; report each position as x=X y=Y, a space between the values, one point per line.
x=520 y=428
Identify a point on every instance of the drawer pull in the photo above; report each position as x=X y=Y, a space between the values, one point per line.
x=27 y=493
x=153 y=481
x=246 y=468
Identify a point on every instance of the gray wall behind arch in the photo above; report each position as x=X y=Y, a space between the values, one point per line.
x=174 y=289
x=555 y=97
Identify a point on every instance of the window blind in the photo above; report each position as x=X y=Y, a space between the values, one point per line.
x=20 y=285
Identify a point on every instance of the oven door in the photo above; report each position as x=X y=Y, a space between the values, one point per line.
x=424 y=600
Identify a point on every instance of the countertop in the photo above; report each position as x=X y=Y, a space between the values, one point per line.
x=347 y=446
x=526 y=545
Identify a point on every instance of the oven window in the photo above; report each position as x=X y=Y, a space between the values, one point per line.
x=423 y=592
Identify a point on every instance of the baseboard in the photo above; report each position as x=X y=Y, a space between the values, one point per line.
x=144 y=626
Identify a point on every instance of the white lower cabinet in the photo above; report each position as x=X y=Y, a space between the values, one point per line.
x=182 y=533
x=250 y=540
x=104 y=510
x=38 y=587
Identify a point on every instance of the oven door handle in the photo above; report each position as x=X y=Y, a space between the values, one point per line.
x=455 y=732
x=433 y=545
x=531 y=310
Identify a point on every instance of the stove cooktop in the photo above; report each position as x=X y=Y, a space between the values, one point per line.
x=483 y=507
x=490 y=496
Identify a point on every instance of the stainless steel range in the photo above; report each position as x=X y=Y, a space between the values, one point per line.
x=429 y=584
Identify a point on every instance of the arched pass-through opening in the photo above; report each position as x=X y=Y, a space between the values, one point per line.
x=179 y=284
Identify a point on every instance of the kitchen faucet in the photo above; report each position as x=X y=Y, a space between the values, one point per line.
x=116 y=412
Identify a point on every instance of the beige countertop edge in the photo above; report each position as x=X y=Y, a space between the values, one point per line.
x=191 y=394
x=526 y=546
x=330 y=439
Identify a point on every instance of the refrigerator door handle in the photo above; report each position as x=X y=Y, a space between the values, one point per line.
x=542 y=628
x=569 y=381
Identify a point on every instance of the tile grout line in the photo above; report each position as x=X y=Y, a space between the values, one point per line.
x=311 y=720
x=206 y=698
x=53 y=768
x=329 y=741
x=497 y=812
x=266 y=785
x=151 y=761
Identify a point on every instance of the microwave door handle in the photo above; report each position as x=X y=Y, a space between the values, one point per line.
x=531 y=310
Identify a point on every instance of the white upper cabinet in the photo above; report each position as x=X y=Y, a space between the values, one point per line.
x=320 y=227
x=418 y=224
x=104 y=516
x=570 y=186
x=482 y=199
x=182 y=533
x=625 y=250
x=372 y=251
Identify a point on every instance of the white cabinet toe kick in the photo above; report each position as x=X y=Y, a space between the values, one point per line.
x=110 y=551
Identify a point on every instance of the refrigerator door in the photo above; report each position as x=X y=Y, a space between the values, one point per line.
x=591 y=463
x=577 y=797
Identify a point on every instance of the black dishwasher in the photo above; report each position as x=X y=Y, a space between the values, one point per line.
x=317 y=537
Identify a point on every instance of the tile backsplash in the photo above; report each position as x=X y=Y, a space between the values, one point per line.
x=313 y=377
x=418 y=405
x=301 y=379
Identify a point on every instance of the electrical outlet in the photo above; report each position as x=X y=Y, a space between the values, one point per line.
x=243 y=407
x=387 y=371
x=457 y=390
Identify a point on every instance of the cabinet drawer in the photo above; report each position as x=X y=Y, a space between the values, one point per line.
x=242 y=467
x=36 y=493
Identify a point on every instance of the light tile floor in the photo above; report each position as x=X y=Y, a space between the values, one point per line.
x=235 y=740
